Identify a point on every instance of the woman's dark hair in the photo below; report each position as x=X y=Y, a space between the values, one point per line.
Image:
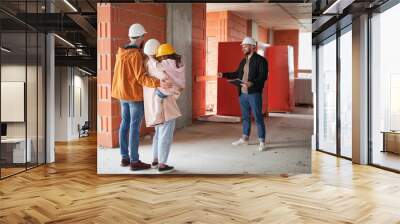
x=176 y=57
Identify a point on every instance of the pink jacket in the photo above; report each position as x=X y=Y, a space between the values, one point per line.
x=177 y=75
x=170 y=107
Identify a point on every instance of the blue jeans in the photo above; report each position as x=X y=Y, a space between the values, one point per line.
x=160 y=94
x=131 y=118
x=162 y=141
x=252 y=102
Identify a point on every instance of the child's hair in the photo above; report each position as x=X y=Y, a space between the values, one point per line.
x=177 y=58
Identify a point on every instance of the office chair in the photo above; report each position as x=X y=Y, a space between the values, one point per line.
x=84 y=130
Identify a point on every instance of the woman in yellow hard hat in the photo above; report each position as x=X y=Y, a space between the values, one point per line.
x=164 y=104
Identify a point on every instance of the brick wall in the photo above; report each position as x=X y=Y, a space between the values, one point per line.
x=289 y=37
x=198 y=59
x=237 y=27
x=249 y=28
x=113 y=24
x=216 y=31
x=217 y=25
x=221 y=27
x=262 y=34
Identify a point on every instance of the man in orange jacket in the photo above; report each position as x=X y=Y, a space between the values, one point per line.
x=129 y=77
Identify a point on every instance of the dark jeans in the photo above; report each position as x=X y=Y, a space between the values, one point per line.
x=252 y=102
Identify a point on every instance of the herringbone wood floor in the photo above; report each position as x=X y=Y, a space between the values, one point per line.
x=70 y=191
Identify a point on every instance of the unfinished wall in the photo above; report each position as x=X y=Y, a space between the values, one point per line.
x=221 y=27
x=217 y=25
x=237 y=27
x=113 y=24
x=262 y=34
x=198 y=59
x=289 y=37
x=179 y=34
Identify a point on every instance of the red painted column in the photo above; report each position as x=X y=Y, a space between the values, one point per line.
x=114 y=21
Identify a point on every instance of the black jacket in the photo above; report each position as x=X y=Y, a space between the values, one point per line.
x=258 y=73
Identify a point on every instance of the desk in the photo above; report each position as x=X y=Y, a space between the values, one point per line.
x=391 y=141
x=13 y=150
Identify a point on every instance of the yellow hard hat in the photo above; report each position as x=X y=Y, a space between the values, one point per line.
x=165 y=49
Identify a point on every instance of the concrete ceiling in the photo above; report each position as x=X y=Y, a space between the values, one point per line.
x=277 y=16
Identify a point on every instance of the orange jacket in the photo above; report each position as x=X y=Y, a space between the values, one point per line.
x=130 y=75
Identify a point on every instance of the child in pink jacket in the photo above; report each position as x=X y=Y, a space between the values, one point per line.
x=160 y=104
x=174 y=70
x=161 y=109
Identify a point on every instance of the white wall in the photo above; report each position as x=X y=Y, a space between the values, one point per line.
x=17 y=73
x=71 y=93
x=61 y=103
x=33 y=126
x=305 y=50
x=79 y=117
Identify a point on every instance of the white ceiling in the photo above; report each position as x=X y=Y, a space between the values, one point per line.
x=271 y=15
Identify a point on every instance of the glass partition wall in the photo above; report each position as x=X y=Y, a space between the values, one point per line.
x=346 y=95
x=22 y=77
x=334 y=87
x=327 y=96
x=334 y=115
x=385 y=89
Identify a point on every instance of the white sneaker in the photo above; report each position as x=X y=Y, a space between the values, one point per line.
x=261 y=147
x=239 y=142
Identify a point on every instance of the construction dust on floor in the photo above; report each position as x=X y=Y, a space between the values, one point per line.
x=205 y=148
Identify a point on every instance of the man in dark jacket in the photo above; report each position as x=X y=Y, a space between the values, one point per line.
x=253 y=72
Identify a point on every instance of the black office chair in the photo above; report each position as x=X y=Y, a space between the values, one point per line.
x=84 y=130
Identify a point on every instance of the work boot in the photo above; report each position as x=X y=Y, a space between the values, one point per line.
x=241 y=141
x=139 y=165
x=125 y=162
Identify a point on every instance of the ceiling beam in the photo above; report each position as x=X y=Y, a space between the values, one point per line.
x=86 y=26
x=82 y=61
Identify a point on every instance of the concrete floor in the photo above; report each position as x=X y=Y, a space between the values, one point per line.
x=205 y=148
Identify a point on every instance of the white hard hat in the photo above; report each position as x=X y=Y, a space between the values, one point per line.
x=151 y=46
x=249 y=40
x=136 y=30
